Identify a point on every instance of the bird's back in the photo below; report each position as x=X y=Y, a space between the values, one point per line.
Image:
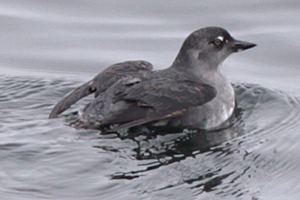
x=102 y=82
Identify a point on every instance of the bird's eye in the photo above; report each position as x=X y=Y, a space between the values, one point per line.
x=218 y=42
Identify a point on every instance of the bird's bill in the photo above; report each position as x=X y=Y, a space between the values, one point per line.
x=238 y=45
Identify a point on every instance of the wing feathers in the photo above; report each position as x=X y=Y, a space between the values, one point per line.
x=159 y=99
x=102 y=82
x=72 y=98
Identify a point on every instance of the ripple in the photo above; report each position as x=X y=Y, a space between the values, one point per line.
x=264 y=114
x=239 y=162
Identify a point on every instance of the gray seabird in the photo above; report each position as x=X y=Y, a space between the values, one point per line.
x=191 y=93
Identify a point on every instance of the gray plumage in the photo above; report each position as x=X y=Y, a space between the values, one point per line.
x=128 y=104
x=191 y=93
x=102 y=82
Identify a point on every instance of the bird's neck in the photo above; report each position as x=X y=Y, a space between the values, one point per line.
x=196 y=62
x=203 y=71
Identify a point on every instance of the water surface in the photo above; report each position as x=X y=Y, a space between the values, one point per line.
x=50 y=47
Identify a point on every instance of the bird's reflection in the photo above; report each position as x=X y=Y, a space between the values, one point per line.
x=164 y=145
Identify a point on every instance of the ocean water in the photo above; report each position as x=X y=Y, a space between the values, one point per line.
x=47 y=48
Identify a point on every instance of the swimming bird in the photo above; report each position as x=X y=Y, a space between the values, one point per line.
x=191 y=93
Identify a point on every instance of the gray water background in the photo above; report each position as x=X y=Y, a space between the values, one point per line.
x=47 y=48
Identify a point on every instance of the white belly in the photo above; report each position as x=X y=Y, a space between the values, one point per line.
x=212 y=114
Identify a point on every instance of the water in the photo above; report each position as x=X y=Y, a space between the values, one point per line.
x=50 y=47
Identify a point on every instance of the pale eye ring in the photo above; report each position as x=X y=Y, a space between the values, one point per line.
x=218 y=41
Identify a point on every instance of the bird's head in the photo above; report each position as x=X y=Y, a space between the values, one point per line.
x=209 y=46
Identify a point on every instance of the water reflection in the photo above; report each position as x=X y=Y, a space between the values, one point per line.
x=164 y=145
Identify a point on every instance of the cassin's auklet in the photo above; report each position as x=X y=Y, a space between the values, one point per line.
x=191 y=93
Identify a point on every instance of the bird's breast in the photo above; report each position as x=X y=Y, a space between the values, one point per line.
x=212 y=114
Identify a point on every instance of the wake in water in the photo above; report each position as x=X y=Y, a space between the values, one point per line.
x=241 y=161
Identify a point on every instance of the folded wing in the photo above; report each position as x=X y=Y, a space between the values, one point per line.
x=102 y=82
x=147 y=101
